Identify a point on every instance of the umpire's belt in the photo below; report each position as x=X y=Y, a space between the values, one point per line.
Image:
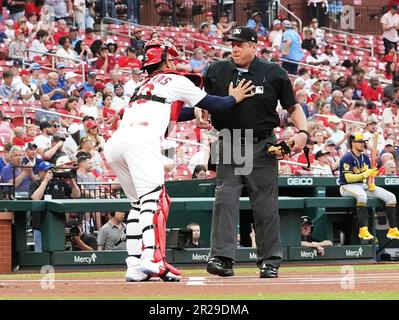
x=257 y=136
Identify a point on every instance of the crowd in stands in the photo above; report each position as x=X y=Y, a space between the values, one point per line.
x=79 y=83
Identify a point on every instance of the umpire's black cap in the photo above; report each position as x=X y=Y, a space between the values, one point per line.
x=244 y=34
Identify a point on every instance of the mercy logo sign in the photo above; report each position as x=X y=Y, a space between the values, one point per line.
x=354 y=253
x=309 y=254
x=253 y=256
x=200 y=257
x=88 y=260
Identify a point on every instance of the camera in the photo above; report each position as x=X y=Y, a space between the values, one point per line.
x=64 y=174
x=74 y=231
x=71 y=230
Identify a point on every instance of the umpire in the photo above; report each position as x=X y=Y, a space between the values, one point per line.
x=259 y=114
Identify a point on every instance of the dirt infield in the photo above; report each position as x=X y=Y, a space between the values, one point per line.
x=335 y=283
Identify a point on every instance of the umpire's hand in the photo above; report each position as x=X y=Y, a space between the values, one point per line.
x=299 y=142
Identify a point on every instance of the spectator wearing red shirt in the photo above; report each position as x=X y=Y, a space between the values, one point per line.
x=361 y=84
x=21 y=26
x=70 y=108
x=348 y=95
x=110 y=116
x=105 y=61
x=63 y=30
x=325 y=109
x=89 y=37
x=357 y=113
x=373 y=92
x=391 y=55
x=315 y=91
x=19 y=137
x=130 y=61
x=203 y=36
x=34 y=6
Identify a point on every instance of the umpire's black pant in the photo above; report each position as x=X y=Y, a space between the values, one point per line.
x=262 y=185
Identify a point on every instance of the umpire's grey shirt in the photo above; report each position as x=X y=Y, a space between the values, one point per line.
x=110 y=235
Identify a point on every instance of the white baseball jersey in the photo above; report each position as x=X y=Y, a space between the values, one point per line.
x=176 y=89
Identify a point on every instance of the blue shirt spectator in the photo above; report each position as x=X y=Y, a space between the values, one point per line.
x=335 y=6
x=295 y=52
x=6 y=91
x=198 y=62
x=19 y=176
x=88 y=86
x=2 y=36
x=52 y=89
x=256 y=24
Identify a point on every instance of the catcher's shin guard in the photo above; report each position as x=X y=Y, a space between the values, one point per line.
x=134 y=242
x=153 y=216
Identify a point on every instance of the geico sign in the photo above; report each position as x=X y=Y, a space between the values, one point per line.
x=300 y=181
x=391 y=181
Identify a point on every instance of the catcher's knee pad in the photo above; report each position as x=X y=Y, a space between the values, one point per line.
x=153 y=216
x=134 y=242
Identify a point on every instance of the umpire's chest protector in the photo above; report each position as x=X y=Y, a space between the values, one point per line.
x=257 y=112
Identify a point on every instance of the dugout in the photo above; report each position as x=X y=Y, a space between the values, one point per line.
x=192 y=201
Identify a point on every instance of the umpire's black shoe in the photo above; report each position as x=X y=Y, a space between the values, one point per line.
x=268 y=271
x=220 y=266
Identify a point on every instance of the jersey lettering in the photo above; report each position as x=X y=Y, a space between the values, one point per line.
x=146 y=91
x=163 y=80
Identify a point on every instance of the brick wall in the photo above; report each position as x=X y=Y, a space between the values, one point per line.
x=5 y=242
x=366 y=20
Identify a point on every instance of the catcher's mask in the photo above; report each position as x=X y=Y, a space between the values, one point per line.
x=158 y=51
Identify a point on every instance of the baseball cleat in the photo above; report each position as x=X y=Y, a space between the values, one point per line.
x=268 y=271
x=136 y=276
x=393 y=233
x=133 y=272
x=166 y=273
x=220 y=266
x=364 y=234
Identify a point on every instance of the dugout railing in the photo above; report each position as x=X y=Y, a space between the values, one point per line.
x=193 y=201
x=183 y=211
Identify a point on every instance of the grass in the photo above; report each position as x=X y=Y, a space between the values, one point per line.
x=311 y=270
x=199 y=272
x=346 y=295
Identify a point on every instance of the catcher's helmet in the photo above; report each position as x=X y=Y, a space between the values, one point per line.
x=157 y=51
x=356 y=137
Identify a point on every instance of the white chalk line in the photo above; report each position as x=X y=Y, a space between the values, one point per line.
x=234 y=281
